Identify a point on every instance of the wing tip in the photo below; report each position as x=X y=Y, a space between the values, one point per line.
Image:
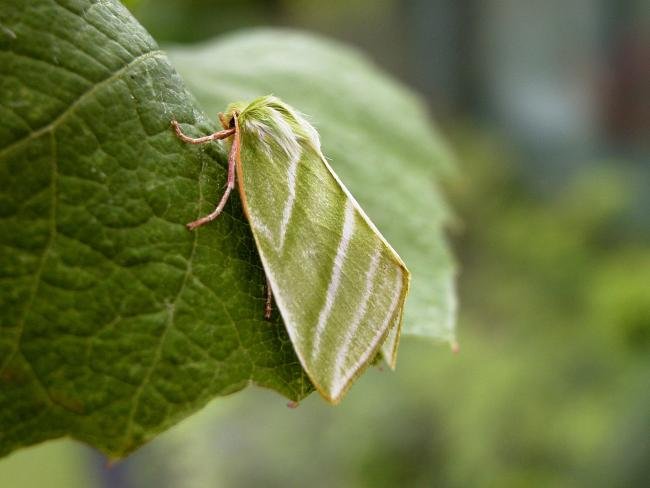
x=390 y=356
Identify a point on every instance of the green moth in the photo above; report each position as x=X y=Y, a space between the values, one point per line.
x=339 y=286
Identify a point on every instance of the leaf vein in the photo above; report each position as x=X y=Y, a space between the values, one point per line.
x=74 y=105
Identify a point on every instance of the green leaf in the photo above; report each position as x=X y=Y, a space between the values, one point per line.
x=115 y=321
x=375 y=132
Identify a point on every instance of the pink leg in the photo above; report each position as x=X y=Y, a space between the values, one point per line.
x=222 y=203
x=222 y=134
x=232 y=160
x=268 y=306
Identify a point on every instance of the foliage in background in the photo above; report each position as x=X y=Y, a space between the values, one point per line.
x=117 y=322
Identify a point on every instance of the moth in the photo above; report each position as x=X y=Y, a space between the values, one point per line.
x=337 y=283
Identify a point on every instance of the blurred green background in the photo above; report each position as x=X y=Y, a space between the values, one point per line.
x=546 y=106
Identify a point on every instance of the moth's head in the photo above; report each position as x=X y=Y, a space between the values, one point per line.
x=227 y=118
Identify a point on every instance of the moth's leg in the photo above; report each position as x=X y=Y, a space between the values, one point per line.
x=268 y=306
x=232 y=159
x=222 y=134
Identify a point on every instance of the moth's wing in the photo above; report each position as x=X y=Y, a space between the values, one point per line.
x=337 y=283
x=389 y=346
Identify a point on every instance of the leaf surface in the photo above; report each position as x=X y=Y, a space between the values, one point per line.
x=115 y=321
